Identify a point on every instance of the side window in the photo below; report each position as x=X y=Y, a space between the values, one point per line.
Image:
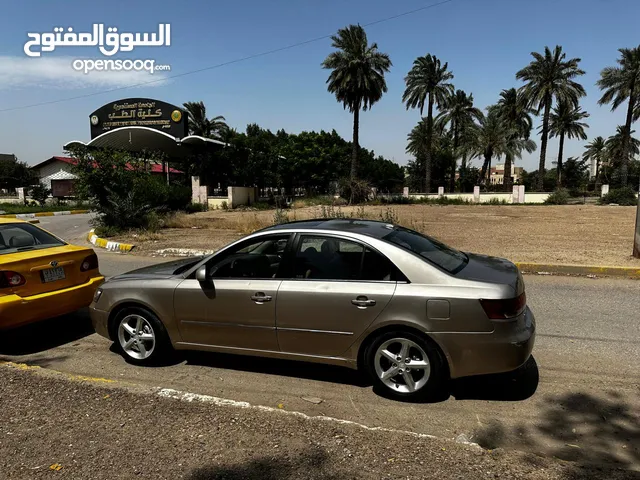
x=258 y=258
x=329 y=258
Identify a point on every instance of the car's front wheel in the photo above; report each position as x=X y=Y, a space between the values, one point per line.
x=406 y=366
x=141 y=337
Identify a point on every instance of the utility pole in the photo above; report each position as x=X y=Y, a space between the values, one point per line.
x=636 y=238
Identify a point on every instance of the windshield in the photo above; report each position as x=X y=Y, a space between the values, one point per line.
x=19 y=237
x=429 y=248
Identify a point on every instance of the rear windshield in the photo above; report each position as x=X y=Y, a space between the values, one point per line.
x=429 y=248
x=20 y=237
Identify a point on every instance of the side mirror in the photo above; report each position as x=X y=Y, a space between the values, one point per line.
x=201 y=274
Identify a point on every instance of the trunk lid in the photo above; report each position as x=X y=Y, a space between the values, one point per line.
x=50 y=264
x=497 y=270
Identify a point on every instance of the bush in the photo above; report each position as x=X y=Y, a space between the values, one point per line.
x=40 y=193
x=196 y=207
x=106 y=232
x=558 y=197
x=356 y=191
x=280 y=216
x=620 y=196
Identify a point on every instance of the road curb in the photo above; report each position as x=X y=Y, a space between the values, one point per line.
x=108 y=244
x=549 y=268
x=27 y=216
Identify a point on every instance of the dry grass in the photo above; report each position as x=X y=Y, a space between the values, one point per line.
x=568 y=234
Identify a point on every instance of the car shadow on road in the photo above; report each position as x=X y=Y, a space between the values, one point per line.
x=273 y=366
x=45 y=335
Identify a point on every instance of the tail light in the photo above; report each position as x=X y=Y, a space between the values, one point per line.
x=89 y=263
x=504 y=309
x=11 y=279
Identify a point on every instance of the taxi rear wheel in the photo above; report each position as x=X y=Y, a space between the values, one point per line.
x=141 y=337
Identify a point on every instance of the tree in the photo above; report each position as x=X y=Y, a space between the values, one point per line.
x=575 y=173
x=620 y=84
x=596 y=153
x=550 y=77
x=427 y=82
x=356 y=78
x=490 y=140
x=459 y=113
x=564 y=121
x=516 y=115
x=615 y=145
x=15 y=174
x=202 y=126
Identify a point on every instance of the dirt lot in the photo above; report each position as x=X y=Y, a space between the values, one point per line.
x=51 y=426
x=571 y=234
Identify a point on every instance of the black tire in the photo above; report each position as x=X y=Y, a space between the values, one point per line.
x=162 y=350
x=436 y=386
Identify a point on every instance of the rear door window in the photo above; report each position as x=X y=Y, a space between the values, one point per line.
x=330 y=258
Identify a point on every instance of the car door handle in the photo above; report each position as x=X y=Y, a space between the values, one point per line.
x=261 y=297
x=363 y=302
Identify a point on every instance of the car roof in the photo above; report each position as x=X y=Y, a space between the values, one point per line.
x=11 y=220
x=371 y=228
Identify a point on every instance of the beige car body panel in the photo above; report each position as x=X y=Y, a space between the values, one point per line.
x=315 y=320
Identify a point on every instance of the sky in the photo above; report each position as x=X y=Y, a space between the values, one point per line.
x=485 y=42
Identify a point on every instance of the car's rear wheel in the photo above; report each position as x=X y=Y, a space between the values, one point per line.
x=406 y=366
x=141 y=337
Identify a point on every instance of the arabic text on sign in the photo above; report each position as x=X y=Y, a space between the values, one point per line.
x=108 y=44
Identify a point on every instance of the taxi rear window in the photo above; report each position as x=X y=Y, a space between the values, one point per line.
x=19 y=237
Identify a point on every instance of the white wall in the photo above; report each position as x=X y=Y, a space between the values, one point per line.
x=241 y=196
x=215 y=203
x=487 y=197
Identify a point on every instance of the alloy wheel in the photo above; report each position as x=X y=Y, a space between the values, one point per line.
x=402 y=365
x=136 y=337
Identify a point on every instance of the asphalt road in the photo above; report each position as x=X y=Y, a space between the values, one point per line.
x=580 y=398
x=74 y=229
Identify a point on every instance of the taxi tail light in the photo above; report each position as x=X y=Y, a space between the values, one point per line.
x=89 y=263
x=9 y=279
x=504 y=309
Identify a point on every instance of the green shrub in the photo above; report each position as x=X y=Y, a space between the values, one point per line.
x=264 y=206
x=196 y=207
x=620 y=196
x=224 y=205
x=395 y=200
x=40 y=193
x=558 y=197
x=107 y=231
x=497 y=201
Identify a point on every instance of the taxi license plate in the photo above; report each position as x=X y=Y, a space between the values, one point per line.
x=52 y=274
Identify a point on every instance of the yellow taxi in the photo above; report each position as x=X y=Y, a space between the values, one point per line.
x=42 y=276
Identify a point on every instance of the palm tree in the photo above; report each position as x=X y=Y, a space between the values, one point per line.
x=550 y=77
x=200 y=125
x=516 y=115
x=596 y=153
x=619 y=84
x=427 y=82
x=615 y=147
x=357 y=77
x=564 y=121
x=490 y=140
x=458 y=112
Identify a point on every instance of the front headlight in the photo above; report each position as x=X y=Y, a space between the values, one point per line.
x=97 y=295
